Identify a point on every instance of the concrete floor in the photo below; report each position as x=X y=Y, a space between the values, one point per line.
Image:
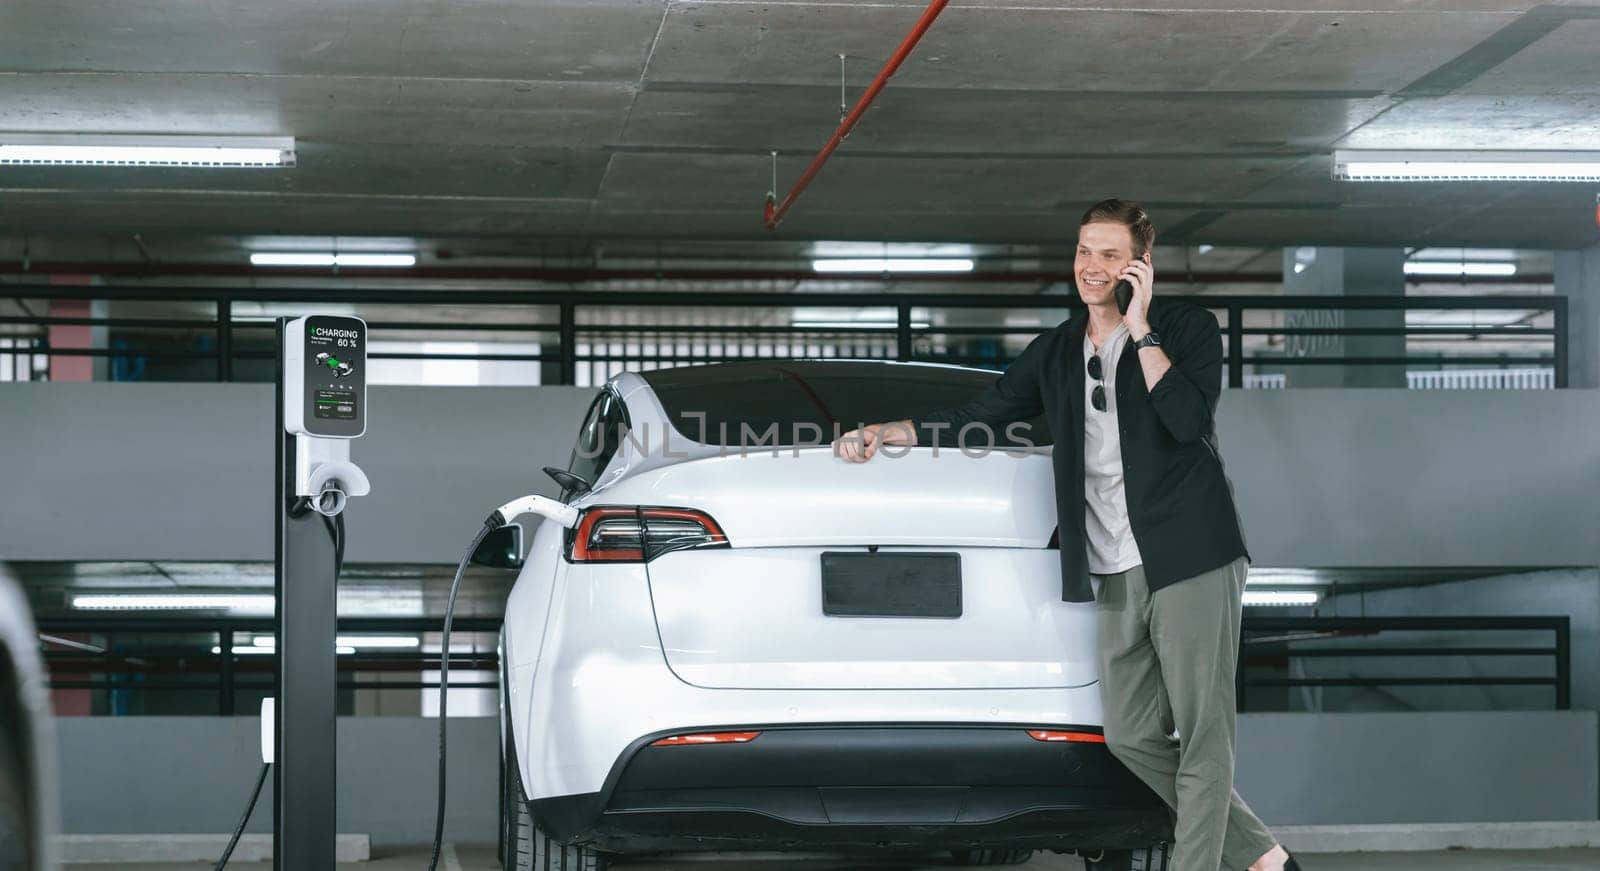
x=468 y=858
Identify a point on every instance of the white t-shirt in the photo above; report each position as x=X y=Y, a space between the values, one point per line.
x=1110 y=538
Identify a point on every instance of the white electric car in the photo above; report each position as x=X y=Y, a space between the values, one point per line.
x=745 y=642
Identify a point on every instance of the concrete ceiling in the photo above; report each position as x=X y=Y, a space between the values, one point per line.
x=527 y=121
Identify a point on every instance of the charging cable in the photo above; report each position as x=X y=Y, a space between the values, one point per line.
x=489 y=526
x=567 y=516
x=249 y=809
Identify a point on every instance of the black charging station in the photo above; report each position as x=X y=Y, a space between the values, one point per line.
x=321 y=400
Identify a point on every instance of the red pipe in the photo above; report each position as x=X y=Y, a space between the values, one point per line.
x=775 y=212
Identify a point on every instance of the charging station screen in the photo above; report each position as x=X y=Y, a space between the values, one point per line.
x=336 y=383
x=335 y=405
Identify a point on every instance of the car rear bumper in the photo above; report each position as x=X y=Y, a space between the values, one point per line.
x=922 y=787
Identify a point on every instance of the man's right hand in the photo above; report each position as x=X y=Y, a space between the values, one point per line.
x=861 y=445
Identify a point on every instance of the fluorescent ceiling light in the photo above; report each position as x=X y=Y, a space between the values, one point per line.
x=1455 y=254
x=278 y=258
x=385 y=641
x=876 y=325
x=1280 y=597
x=1469 y=317
x=260 y=258
x=825 y=250
x=186 y=151
x=1479 y=268
x=1284 y=577
x=400 y=260
x=249 y=651
x=1569 y=166
x=894 y=264
x=173 y=601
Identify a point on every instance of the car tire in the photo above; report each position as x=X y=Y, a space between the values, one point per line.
x=991 y=857
x=1144 y=859
x=506 y=834
x=16 y=817
x=527 y=848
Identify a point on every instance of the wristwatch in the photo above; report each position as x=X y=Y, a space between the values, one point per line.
x=1150 y=340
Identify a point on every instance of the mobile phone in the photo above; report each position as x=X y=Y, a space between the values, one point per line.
x=1123 y=291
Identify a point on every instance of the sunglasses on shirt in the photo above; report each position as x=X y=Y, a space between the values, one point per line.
x=1098 y=397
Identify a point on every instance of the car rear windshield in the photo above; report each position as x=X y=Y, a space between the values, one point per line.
x=788 y=402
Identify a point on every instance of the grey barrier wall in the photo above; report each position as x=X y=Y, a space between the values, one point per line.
x=192 y=775
x=1323 y=477
x=184 y=471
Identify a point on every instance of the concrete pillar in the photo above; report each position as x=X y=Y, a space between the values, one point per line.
x=1345 y=272
x=74 y=368
x=1578 y=279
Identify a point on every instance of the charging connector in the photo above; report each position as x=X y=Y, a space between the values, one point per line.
x=543 y=506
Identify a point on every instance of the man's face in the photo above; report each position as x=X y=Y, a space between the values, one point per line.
x=1104 y=250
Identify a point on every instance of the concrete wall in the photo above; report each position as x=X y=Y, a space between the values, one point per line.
x=1415 y=478
x=1323 y=477
x=184 y=471
x=193 y=774
x=1414 y=767
x=1578 y=279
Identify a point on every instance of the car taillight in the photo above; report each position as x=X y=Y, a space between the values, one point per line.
x=706 y=738
x=1053 y=736
x=641 y=534
x=608 y=535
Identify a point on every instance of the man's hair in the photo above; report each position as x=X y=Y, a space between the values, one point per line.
x=1130 y=215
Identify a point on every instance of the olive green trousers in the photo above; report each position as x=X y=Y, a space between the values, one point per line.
x=1167 y=665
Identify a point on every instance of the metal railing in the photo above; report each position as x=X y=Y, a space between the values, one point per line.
x=216 y=665
x=579 y=321
x=20 y=359
x=1274 y=643
x=1483 y=379
x=1268 y=643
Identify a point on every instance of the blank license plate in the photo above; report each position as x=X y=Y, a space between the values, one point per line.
x=858 y=584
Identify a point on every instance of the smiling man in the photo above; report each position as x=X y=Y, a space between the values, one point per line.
x=1148 y=528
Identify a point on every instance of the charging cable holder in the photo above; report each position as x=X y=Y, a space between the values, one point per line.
x=324 y=475
x=269 y=732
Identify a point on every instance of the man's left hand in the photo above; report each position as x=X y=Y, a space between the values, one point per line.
x=1143 y=278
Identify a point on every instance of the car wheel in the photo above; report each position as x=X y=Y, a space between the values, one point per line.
x=526 y=847
x=991 y=857
x=1145 y=859
x=16 y=848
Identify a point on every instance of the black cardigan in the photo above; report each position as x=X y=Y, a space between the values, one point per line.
x=1180 y=503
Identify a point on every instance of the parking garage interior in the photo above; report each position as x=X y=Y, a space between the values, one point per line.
x=524 y=200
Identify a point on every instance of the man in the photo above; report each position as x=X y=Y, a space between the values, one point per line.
x=1148 y=528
